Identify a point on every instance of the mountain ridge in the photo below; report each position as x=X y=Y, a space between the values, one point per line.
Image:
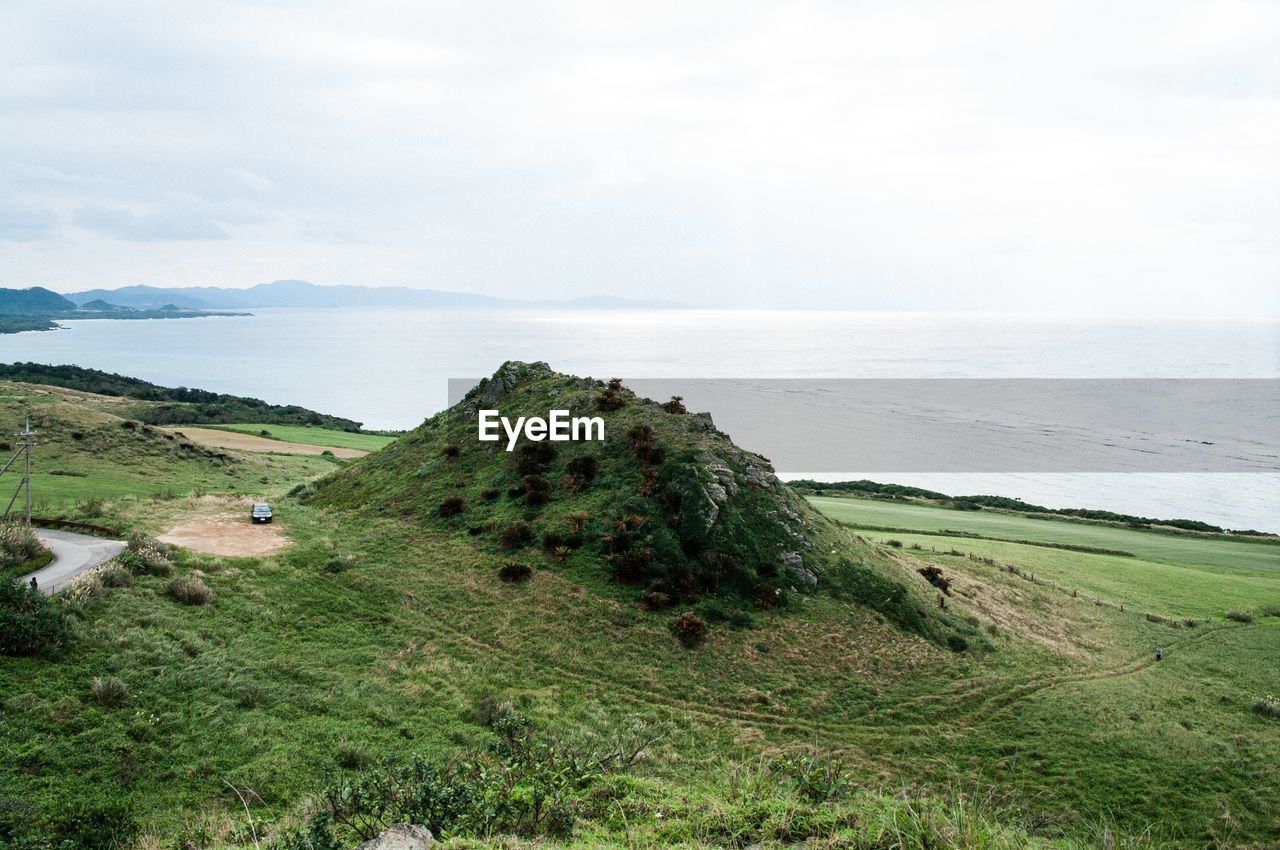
x=301 y=293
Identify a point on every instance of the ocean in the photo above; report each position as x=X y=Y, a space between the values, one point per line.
x=389 y=368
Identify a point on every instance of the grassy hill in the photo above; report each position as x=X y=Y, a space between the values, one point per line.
x=172 y=405
x=562 y=711
x=665 y=505
x=91 y=449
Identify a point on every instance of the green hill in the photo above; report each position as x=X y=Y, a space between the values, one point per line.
x=35 y=301
x=169 y=405
x=665 y=506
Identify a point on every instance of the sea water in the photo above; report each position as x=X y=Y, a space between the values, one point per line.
x=389 y=368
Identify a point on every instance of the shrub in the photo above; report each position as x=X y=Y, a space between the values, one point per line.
x=515 y=534
x=641 y=445
x=934 y=576
x=613 y=397
x=561 y=553
x=338 y=564
x=652 y=600
x=532 y=458
x=451 y=506
x=584 y=467
x=145 y=555
x=18 y=544
x=537 y=491
x=493 y=710
x=1240 y=616
x=577 y=520
x=490 y=494
x=95 y=826
x=352 y=757
x=452 y=451
x=512 y=572
x=303 y=491
x=676 y=405
x=552 y=540
x=896 y=544
x=689 y=629
x=109 y=692
x=115 y=576
x=1268 y=706
x=190 y=590
x=30 y=622
x=1270 y=610
x=632 y=566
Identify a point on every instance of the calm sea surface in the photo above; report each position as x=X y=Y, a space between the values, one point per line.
x=389 y=368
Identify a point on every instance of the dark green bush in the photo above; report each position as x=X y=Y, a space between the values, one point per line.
x=451 y=506
x=1240 y=616
x=95 y=826
x=512 y=572
x=689 y=629
x=515 y=534
x=584 y=468
x=537 y=491
x=30 y=622
x=527 y=785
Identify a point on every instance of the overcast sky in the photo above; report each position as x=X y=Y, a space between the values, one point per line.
x=1026 y=156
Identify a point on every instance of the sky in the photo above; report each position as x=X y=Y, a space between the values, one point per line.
x=1108 y=158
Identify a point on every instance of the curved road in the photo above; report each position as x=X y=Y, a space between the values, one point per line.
x=73 y=554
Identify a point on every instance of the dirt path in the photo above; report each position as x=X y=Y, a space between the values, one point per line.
x=220 y=526
x=250 y=443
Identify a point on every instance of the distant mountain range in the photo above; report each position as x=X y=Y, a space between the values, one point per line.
x=37 y=309
x=300 y=293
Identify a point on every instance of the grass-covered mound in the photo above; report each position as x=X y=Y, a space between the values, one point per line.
x=666 y=507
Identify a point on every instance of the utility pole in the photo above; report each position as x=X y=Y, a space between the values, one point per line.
x=25 y=444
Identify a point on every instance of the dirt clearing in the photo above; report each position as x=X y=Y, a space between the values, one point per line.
x=218 y=526
x=249 y=443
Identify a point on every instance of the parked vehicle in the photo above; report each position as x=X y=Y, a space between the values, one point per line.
x=261 y=512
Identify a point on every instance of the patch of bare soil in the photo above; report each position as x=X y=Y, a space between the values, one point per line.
x=217 y=528
x=250 y=443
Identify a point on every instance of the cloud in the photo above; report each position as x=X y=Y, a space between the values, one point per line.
x=913 y=154
x=160 y=226
x=26 y=224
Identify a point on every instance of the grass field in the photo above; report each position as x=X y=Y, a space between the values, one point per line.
x=1151 y=545
x=380 y=636
x=1067 y=720
x=312 y=436
x=86 y=453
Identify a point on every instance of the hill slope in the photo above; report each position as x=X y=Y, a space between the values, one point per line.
x=665 y=504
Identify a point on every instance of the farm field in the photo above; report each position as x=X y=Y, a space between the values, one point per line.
x=311 y=436
x=1184 y=548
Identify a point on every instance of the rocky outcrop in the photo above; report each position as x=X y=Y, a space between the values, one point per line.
x=402 y=836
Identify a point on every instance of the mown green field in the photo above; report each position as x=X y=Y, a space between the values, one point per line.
x=1182 y=548
x=311 y=436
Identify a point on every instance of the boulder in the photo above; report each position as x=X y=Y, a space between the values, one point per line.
x=794 y=564
x=402 y=836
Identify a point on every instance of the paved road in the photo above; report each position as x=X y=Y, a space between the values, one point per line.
x=73 y=554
